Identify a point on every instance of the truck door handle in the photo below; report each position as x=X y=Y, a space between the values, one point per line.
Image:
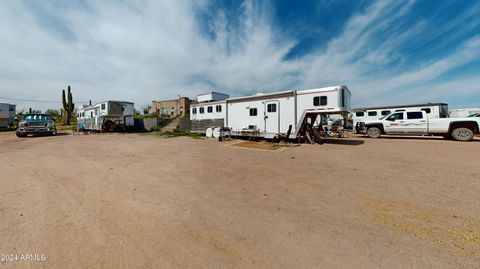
x=423 y=121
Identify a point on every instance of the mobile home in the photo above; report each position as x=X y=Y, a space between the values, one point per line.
x=433 y=111
x=209 y=111
x=106 y=116
x=7 y=115
x=268 y=115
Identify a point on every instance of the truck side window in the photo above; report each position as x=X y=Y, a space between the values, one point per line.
x=427 y=110
x=414 y=115
x=360 y=114
x=385 y=112
x=372 y=113
x=396 y=116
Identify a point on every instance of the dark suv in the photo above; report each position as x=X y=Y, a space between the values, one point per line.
x=36 y=124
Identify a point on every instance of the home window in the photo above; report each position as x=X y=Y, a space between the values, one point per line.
x=103 y=106
x=209 y=109
x=272 y=108
x=427 y=110
x=218 y=108
x=202 y=110
x=386 y=112
x=319 y=101
x=360 y=114
x=194 y=110
x=253 y=112
x=372 y=113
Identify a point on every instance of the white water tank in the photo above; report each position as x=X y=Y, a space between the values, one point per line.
x=216 y=132
x=209 y=132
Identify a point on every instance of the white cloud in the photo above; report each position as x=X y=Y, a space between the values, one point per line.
x=145 y=50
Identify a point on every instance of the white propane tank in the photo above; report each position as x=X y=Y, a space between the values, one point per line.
x=209 y=132
x=216 y=132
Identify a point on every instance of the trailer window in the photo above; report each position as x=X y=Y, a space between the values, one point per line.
x=202 y=110
x=360 y=114
x=372 y=113
x=319 y=101
x=194 y=110
x=427 y=110
x=253 y=112
x=103 y=106
x=209 y=109
x=414 y=115
x=272 y=108
x=386 y=112
x=218 y=108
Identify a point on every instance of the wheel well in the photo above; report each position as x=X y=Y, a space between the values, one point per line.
x=379 y=126
x=464 y=124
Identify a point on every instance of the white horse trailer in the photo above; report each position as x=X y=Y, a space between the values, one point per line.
x=7 y=115
x=279 y=113
x=463 y=112
x=432 y=110
x=106 y=116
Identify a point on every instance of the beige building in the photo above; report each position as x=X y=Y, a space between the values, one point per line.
x=171 y=108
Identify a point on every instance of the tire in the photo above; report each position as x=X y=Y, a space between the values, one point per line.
x=20 y=134
x=462 y=134
x=374 y=132
x=109 y=126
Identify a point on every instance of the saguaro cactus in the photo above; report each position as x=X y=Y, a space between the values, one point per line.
x=68 y=105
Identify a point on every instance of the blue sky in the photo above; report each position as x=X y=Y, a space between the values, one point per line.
x=387 y=52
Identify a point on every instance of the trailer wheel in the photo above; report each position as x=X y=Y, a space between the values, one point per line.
x=374 y=132
x=462 y=134
x=108 y=126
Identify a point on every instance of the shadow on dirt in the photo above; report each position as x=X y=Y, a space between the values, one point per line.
x=345 y=142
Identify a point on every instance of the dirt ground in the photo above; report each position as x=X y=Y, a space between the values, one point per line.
x=139 y=201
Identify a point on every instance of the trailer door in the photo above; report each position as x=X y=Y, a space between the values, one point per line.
x=272 y=118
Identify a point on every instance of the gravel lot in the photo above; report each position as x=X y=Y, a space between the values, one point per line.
x=139 y=201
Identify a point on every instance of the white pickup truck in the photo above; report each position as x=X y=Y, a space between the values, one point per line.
x=416 y=123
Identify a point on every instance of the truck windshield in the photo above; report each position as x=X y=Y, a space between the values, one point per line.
x=37 y=117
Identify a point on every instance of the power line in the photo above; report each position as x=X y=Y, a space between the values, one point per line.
x=37 y=101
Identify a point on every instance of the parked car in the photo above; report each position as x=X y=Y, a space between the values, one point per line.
x=36 y=124
x=417 y=123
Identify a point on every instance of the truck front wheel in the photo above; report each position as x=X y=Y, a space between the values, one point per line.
x=21 y=134
x=462 y=134
x=374 y=132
